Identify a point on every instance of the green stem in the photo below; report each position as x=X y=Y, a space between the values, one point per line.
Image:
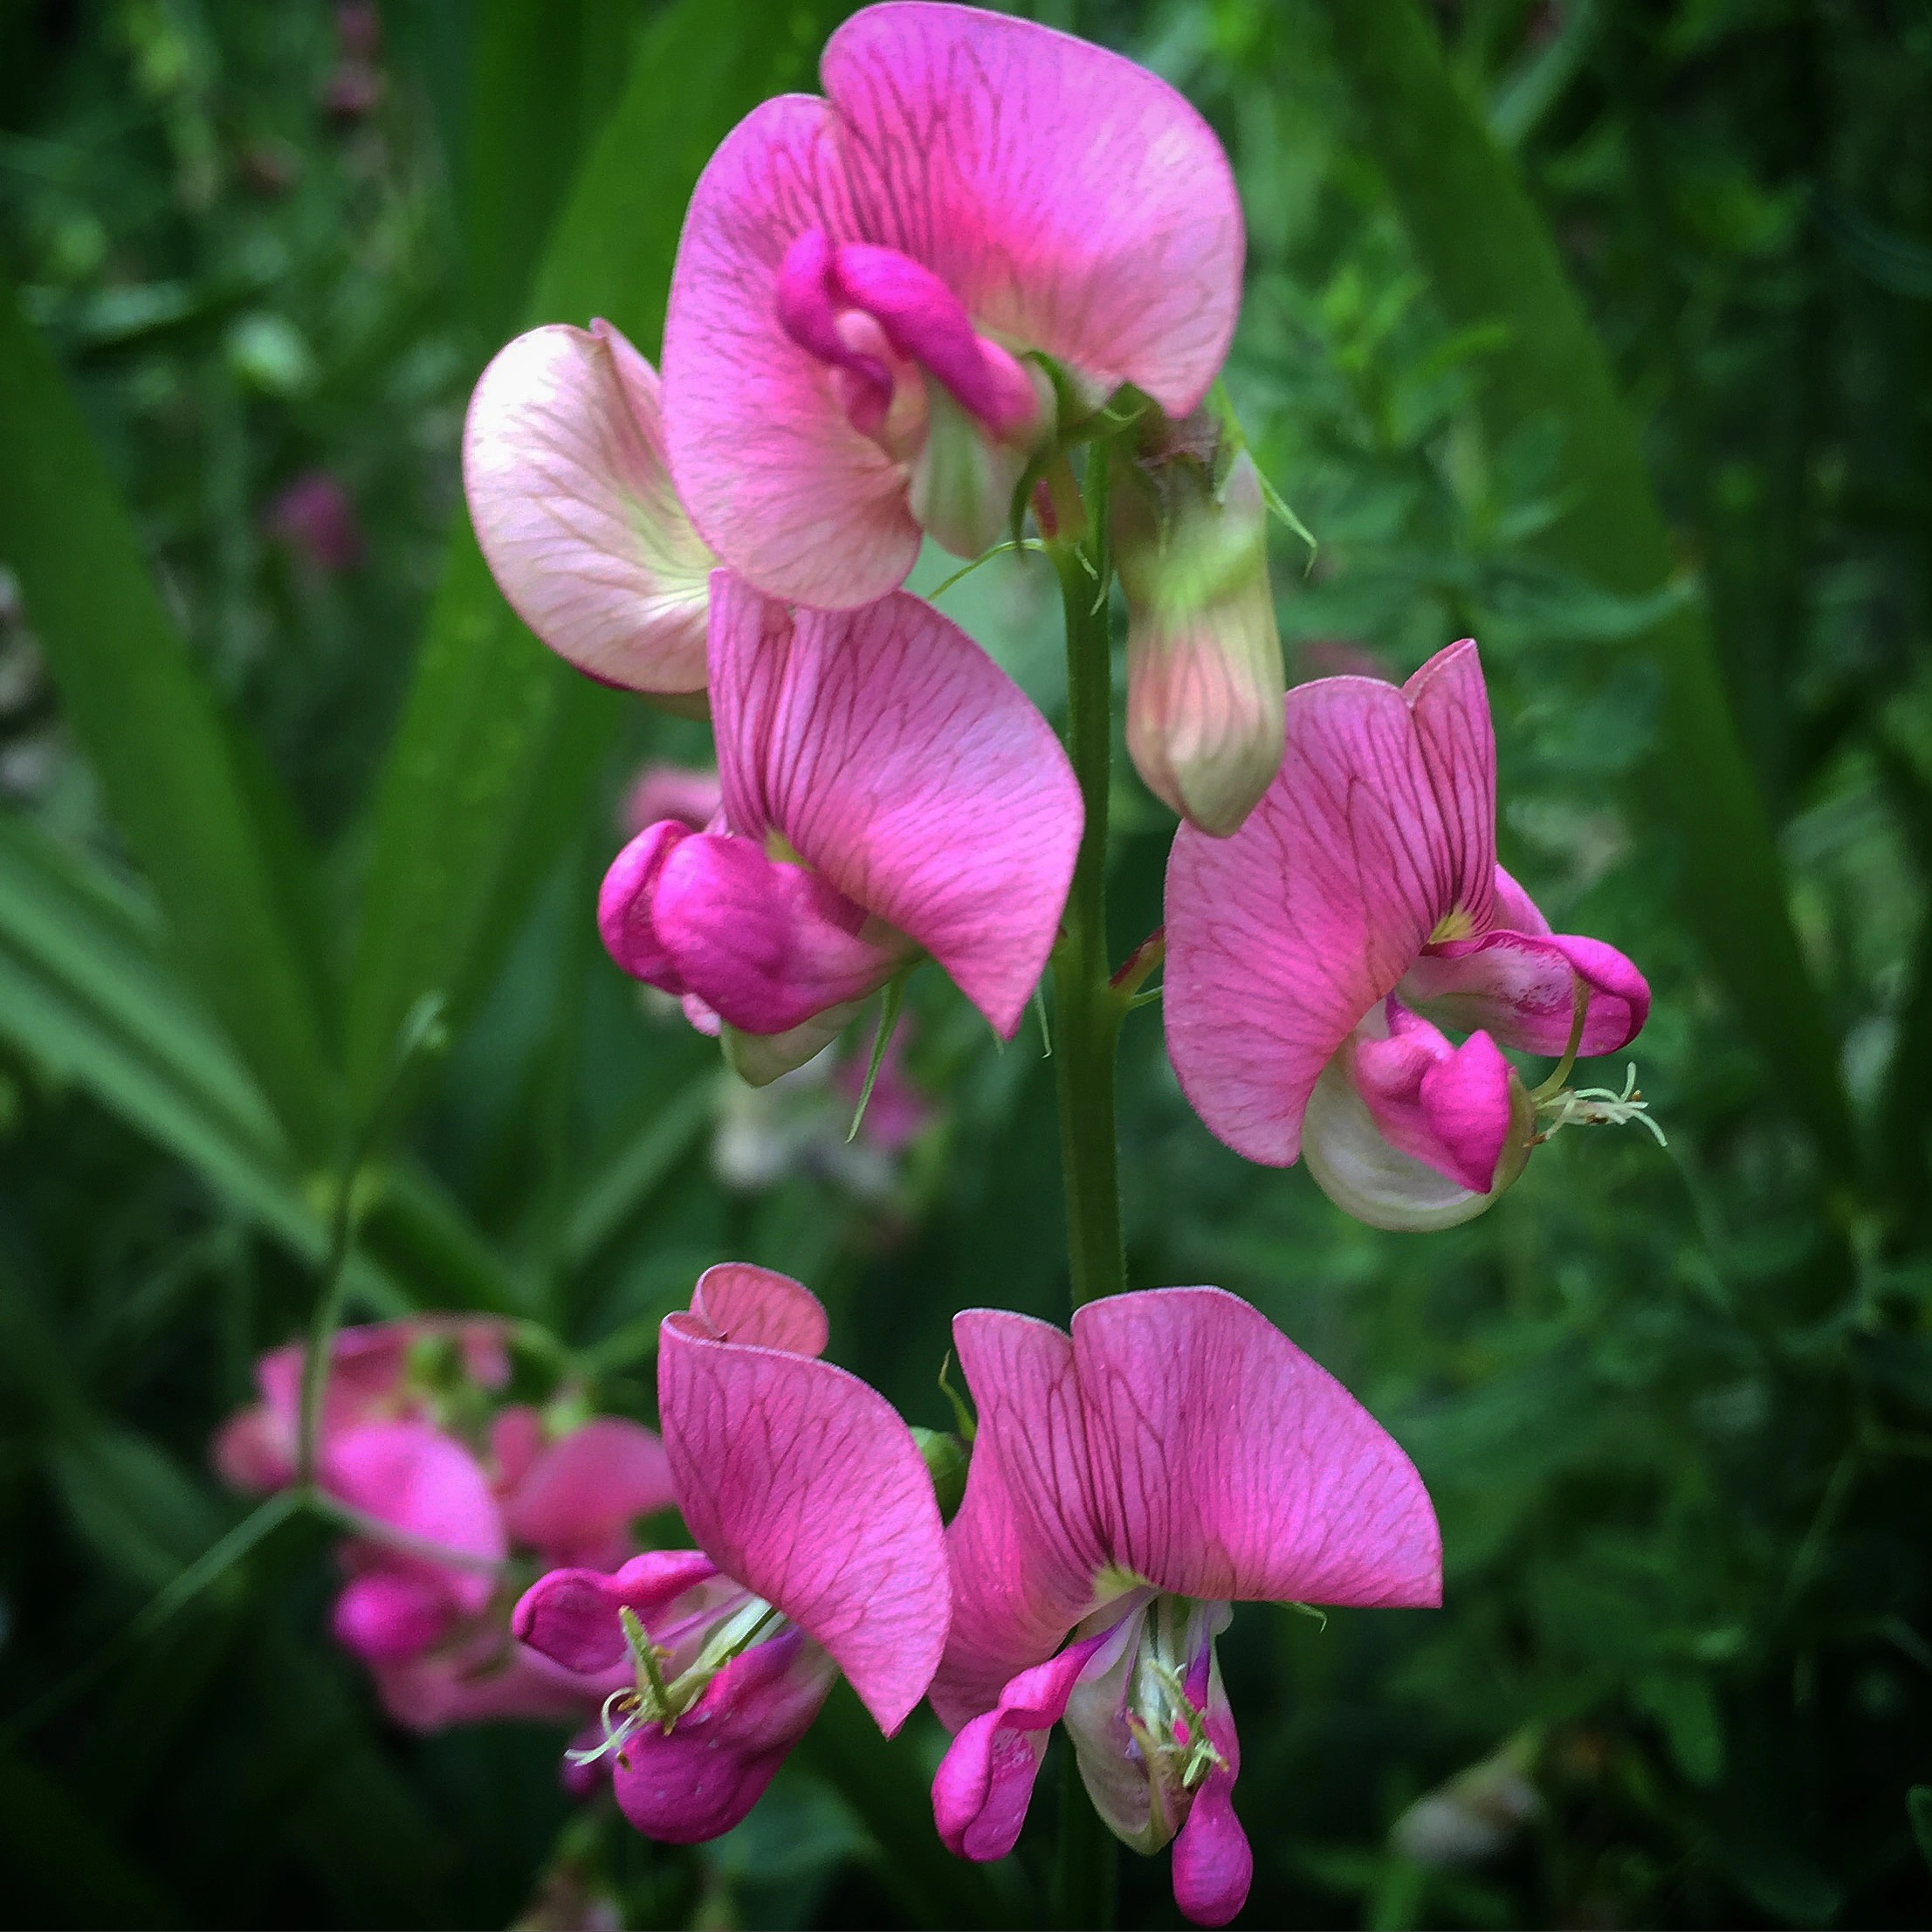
x=1087 y=1017
x=325 y=1320
x=1088 y=1011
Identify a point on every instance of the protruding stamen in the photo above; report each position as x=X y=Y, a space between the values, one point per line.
x=1597 y=1107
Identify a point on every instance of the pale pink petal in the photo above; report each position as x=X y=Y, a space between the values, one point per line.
x=1447 y=1106
x=1235 y=1468
x=419 y=1481
x=804 y=1485
x=1282 y=937
x=765 y=943
x=698 y=1780
x=899 y=760
x=1522 y=988
x=738 y=1301
x=1026 y=1545
x=571 y=1615
x=581 y=1495
x=985 y=1781
x=1072 y=202
x=570 y=491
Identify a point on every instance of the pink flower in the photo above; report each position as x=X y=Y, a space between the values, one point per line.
x=662 y=790
x=315 y=518
x=423 y=1605
x=1308 y=955
x=1176 y=1454
x=563 y=465
x=387 y=1371
x=820 y=1550
x=870 y=284
x=887 y=791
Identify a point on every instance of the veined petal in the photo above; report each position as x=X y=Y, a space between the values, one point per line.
x=1450 y=1107
x=570 y=491
x=1073 y=201
x=1522 y=988
x=578 y=1499
x=905 y=766
x=765 y=943
x=985 y=1781
x=775 y=476
x=1233 y=1466
x=1027 y=1546
x=1280 y=937
x=571 y=1615
x=738 y=1301
x=804 y=1484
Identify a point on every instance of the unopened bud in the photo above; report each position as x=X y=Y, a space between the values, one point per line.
x=1205 y=682
x=1476 y=1813
x=946 y=1458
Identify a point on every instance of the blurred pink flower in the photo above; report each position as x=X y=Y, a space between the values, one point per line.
x=1309 y=955
x=866 y=280
x=434 y=1630
x=1175 y=1454
x=820 y=1550
x=679 y=792
x=888 y=792
x=315 y=518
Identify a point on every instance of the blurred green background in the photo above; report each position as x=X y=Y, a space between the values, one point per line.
x=276 y=761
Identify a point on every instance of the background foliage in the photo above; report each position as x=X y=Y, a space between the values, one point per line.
x=263 y=792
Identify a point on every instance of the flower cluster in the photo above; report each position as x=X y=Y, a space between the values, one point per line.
x=459 y=1493
x=900 y=311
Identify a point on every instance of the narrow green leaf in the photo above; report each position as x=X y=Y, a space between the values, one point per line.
x=1489 y=258
x=86 y=995
x=499 y=739
x=190 y=806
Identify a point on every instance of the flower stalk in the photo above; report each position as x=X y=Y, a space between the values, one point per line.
x=1087 y=1013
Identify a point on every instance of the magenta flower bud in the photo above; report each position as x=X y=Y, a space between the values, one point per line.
x=1204 y=681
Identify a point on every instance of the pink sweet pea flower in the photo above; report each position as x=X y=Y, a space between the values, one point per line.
x=887 y=791
x=425 y=1609
x=820 y=1550
x=664 y=790
x=1308 y=955
x=563 y=465
x=865 y=281
x=371 y=1379
x=1176 y=1454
